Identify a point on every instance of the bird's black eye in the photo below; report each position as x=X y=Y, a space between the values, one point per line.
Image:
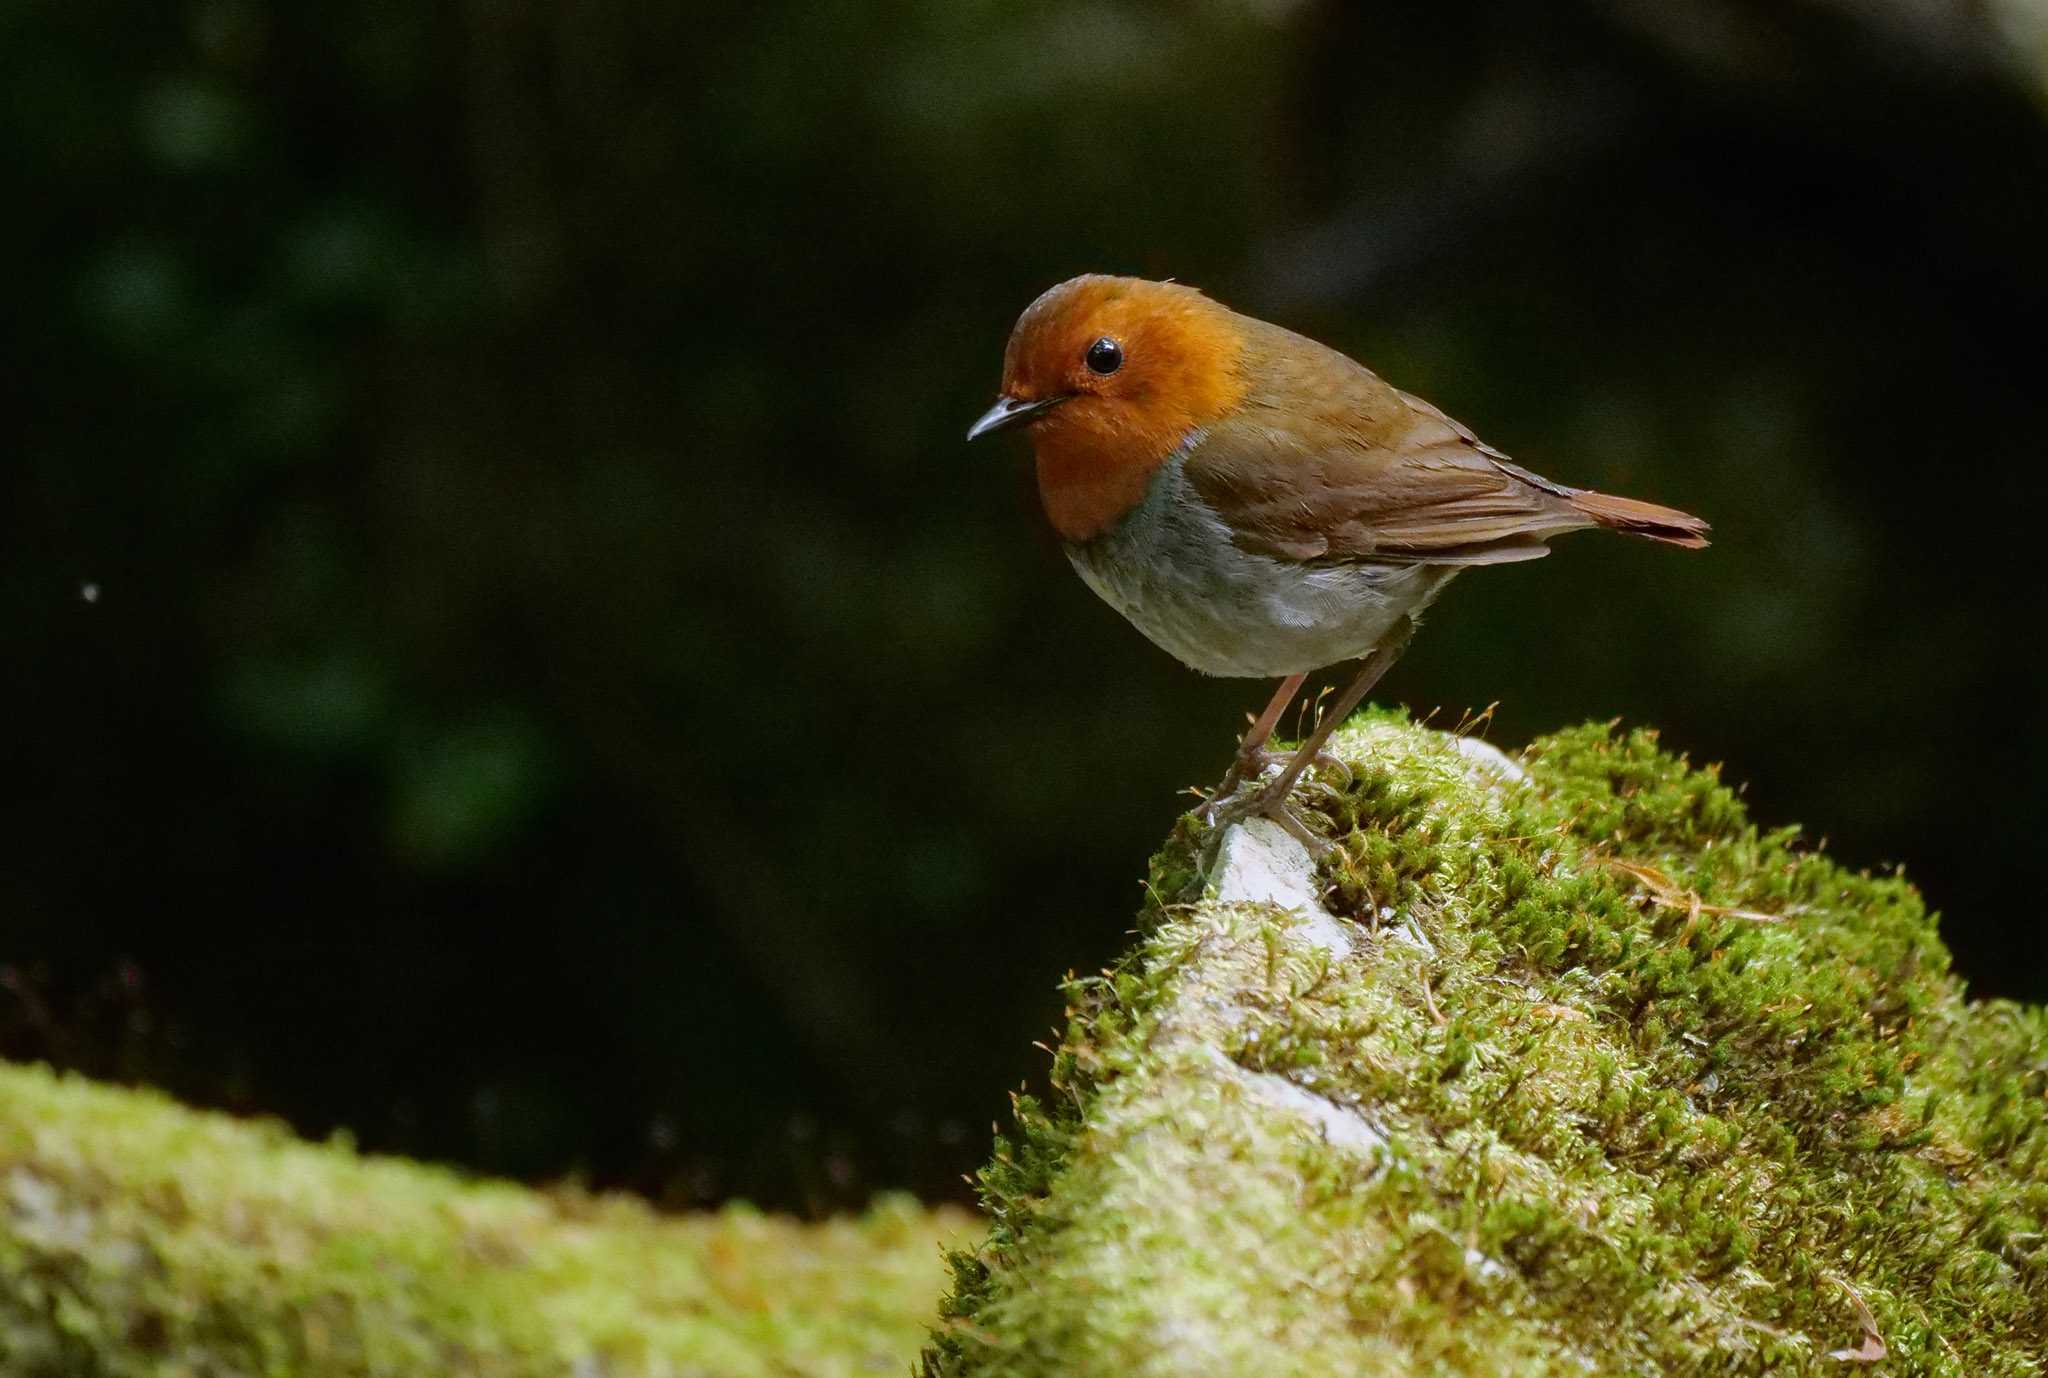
x=1104 y=356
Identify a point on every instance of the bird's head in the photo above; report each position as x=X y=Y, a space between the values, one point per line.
x=1109 y=376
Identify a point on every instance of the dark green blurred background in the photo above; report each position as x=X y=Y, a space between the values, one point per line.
x=508 y=653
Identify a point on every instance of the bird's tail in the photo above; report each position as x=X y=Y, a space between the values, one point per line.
x=1645 y=519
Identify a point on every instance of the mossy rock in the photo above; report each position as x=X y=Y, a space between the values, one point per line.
x=1580 y=1073
x=138 y=1238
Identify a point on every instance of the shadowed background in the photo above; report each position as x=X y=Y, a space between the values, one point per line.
x=510 y=656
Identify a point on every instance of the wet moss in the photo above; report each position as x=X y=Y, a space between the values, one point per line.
x=141 y=1238
x=1641 y=1087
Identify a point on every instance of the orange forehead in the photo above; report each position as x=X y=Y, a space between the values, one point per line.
x=1181 y=371
x=1175 y=341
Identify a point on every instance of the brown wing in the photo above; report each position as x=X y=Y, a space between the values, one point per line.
x=1326 y=462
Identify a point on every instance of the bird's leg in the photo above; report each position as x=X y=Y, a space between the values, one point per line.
x=1252 y=755
x=1271 y=802
x=1377 y=664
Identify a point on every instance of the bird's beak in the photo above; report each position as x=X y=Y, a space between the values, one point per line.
x=1009 y=411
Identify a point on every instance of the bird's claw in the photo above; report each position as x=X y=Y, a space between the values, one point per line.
x=1326 y=761
x=1249 y=766
x=1265 y=803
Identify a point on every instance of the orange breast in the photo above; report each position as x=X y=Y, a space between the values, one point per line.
x=1087 y=487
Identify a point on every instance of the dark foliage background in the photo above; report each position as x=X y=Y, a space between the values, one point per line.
x=509 y=655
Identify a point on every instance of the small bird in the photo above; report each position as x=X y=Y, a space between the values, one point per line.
x=1260 y=505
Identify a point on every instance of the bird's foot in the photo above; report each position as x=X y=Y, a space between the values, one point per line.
x=1269 y=802
x=1249 y=767
x=1324 y=761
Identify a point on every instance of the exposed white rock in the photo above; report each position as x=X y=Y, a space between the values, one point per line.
x=1259 y=863
x=1491 y=759
x=1340 y=1125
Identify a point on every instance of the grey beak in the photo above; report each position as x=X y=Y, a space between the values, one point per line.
x=1008 y=411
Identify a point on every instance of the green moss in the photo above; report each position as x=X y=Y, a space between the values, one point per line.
x=140 y=1238
x=1611 y=1081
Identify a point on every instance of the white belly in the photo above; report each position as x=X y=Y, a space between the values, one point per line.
x=1171 y=569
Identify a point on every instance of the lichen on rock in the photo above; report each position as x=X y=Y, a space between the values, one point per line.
x=1579 y=1072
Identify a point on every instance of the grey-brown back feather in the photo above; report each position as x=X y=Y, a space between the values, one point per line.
x=1326 y=463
